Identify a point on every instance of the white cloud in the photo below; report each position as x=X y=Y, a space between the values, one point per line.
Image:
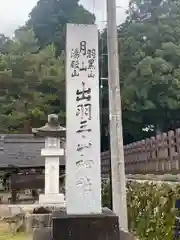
x=14 y=13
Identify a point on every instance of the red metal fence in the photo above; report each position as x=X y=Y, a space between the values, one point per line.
x=155 y=155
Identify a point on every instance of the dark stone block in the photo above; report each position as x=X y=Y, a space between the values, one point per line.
x=42 y=234
x=177 y=204
x=103 y=226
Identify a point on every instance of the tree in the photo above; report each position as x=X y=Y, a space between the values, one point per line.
x=32 y=67
x=48 y=19
x=149 y=43
x=32 y=85
x=24 y=42
x=150 y=62
x=4 y=44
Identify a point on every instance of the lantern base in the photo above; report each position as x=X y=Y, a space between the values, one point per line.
x=52 y=199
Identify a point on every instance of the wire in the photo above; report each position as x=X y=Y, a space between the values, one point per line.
x=94 y=6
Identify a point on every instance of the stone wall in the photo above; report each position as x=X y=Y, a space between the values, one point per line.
x=36 y=221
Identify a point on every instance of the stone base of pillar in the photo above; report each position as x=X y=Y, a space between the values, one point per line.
x=52 y=199
x=79 y=227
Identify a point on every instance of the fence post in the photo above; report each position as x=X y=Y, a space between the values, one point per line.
x=178 y=146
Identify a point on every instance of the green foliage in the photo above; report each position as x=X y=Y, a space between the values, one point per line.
x=24 y=42
x=151 y=211
x=4 y=44
x=32 y=84
x=32 y=66
x=48 y=19
x=149 y=42
x=150 y=62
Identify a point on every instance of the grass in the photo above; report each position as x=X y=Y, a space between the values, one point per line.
x=6 y=235
x=18 y=236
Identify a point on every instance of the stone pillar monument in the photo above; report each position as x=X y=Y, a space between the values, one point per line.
x=53 y=134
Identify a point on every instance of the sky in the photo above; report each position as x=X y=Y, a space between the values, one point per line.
x=14 y=13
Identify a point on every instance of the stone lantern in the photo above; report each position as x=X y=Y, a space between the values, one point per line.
x=54 y=136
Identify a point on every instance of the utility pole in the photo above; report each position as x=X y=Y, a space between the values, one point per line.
x=116 y=135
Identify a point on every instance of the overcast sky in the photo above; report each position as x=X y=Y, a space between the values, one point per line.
x=14 y=13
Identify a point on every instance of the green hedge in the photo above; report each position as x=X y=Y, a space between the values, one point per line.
x=151 y=212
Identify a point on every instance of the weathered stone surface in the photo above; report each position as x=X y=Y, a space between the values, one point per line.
x=14 y=217
x=8 y=211
x=51 y=198
x=27 y=208
x=42 y=234
x=33 y=221
x=126 y=236
x=22 y=216
x=80 y=227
